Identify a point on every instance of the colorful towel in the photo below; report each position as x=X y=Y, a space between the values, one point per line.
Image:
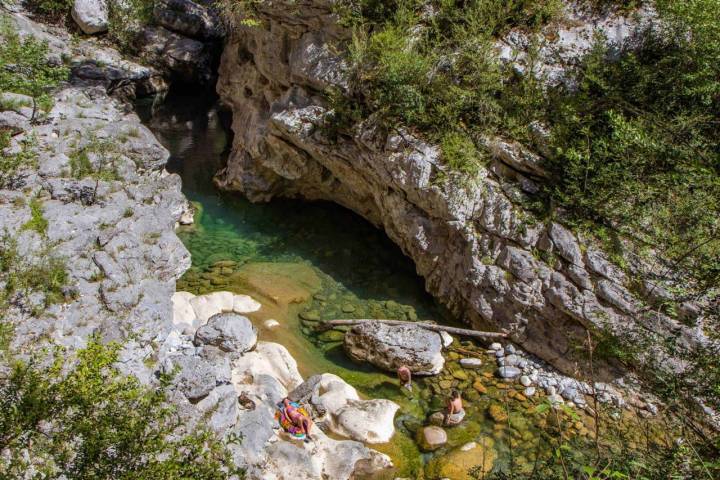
x=287 y=424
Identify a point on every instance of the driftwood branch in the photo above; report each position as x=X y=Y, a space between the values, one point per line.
x=463 y=332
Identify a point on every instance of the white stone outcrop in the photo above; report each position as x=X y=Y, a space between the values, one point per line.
x=368 y=421
x=266 y=375
x=90 y=15
x=191 y=312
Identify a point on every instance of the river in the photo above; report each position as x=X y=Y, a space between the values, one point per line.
x=309 y=261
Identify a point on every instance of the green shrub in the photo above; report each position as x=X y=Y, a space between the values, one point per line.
x=10 y=163
x=24 y=67
x=94 y=422
x=43 y=273
x=125 y=19
x=81 y=166
x=637 y=145
x=439 y=74
x=635 y=139
x=37 y=221
x=460 y=153
x=52 y=9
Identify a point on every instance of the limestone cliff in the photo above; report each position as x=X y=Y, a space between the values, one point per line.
x=481 y=255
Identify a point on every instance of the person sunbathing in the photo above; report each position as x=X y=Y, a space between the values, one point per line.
x=302 y=423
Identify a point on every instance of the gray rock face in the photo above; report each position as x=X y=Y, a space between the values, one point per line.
x=188 y=18
x=13 y=122
x=389 y=347
x=188 y=59
x=91 y=15
x=479 y=252
x=195 y=376
x=228 y=331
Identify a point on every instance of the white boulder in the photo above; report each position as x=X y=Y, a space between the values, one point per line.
x=91 y=15
x=183 y=313
x=245 y=304
x=205 y=306
x=369 y=421
x=269 y=359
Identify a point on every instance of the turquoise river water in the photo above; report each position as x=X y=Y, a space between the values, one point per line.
x=312 y=261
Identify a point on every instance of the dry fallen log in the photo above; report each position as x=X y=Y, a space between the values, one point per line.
x=463 y=332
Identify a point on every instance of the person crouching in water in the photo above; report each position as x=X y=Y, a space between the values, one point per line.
x=405 y=376
x=455 y=412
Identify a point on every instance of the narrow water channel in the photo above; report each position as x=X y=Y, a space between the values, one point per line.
x=311 y=261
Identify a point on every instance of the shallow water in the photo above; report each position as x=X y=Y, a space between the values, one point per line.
x=310 y=261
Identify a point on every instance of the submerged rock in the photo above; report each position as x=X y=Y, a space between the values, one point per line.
x=431 y=438
x=389 y=346
x=471 y=363
x=509 y=372
x=458 y=463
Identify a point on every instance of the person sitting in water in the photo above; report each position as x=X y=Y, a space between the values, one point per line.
x=454 y=413
x=302 y=422
x=405 y=376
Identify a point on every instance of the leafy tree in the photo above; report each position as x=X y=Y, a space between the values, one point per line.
x=88 y=421
x=25 y=68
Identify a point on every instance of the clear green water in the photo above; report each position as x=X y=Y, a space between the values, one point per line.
x=309 y=261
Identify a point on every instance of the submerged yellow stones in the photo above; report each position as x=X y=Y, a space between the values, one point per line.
x=497 y=413
x=466 y=462
x=281 y=283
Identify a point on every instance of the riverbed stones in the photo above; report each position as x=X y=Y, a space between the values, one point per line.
x=525 y=381
x=497 y=413
x=459 y=462
x=431 y=438
x=270 y=324
x=437 y=419
x=479 y=387
x=390 y=346
x=509 y=372
x=471 y=363
x=228 y=331
x=331 y=336
x=206 y=306
x=310 y=315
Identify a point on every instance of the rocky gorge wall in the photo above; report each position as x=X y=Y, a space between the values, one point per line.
x=481 y=255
